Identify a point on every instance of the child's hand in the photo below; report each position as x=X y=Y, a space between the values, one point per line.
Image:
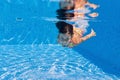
x=93 y=32
x=93 y=14
x=94 y=6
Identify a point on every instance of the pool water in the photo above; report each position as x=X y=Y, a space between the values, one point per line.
x=47 y=62
x=29 y=49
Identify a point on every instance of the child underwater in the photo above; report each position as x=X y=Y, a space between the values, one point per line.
x=70 y=35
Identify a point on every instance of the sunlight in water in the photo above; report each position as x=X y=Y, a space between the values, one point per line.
x=46 y=62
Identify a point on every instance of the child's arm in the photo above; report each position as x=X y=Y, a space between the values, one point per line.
x=89 y=35
x=94 y=6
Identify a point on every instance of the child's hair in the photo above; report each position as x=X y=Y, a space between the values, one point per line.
x=64 y=27
x=63 y=14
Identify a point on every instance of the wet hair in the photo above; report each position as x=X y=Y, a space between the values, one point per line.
x=65 y=5
x=64 y=15
x=64 y=27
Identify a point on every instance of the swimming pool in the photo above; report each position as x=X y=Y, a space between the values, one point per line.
x=29 y=51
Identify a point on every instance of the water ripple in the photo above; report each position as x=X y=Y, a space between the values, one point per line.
x=47 y=62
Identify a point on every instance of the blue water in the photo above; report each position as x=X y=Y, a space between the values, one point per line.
x=29 y=49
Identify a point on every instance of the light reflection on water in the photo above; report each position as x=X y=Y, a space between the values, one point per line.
x=46 y=62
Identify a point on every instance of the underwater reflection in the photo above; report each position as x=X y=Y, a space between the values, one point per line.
x=74 y=16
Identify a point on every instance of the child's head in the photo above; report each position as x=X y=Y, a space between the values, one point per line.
x=65 y=33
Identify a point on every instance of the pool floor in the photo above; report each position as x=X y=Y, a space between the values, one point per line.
x=47 y=62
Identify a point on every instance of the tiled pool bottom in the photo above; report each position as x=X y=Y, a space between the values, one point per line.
x=47 y=62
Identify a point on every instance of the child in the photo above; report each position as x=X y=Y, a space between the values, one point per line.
x=78 y=37
x=69 y=36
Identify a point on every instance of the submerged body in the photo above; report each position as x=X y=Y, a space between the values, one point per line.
x=78 y=37
x=71 y=35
